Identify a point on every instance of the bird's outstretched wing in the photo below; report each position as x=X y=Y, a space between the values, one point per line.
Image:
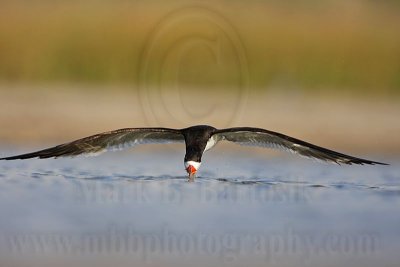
x=113 y=140
x=260 y=137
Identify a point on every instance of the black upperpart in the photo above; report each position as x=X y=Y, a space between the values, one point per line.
x=196 y=138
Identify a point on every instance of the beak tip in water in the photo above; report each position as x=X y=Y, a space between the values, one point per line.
x=191 y=170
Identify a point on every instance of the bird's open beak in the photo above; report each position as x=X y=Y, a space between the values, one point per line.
x=191 y=171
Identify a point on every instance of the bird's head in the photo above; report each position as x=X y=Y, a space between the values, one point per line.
x=192 y=167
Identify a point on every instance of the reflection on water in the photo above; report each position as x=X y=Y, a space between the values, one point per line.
x=124 y=209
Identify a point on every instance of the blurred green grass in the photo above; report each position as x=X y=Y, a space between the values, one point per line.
x=313 y=45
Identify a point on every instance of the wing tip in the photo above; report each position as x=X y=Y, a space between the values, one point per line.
x=365 y=162
x=380 y=163
x=33 y=155
x=18 y=157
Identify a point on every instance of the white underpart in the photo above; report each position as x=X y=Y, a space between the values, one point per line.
x=210 y=143
x=195 y=164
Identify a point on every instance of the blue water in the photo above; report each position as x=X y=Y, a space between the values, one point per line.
x=137 y=209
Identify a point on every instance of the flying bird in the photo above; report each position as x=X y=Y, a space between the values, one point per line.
x=198 y=139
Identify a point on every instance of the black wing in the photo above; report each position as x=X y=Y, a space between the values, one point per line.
x=264 y=138
x=113 y=140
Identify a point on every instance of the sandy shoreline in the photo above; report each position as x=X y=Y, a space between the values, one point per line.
x=47 y=115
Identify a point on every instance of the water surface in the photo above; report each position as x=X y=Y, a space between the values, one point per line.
x=137 y=209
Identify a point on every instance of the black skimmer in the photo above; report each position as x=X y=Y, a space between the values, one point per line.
x=198 y=139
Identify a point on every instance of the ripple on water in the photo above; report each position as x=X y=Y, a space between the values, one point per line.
x=69 y=173
x=270 y=173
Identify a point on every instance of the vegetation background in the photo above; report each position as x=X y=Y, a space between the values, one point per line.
x=321 y=70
